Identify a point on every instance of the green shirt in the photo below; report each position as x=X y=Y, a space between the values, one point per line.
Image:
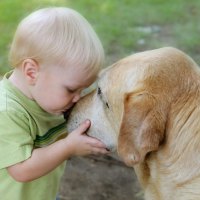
x=23 y=127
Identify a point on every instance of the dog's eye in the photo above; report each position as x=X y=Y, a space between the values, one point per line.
x=99 y=91
x=100 y=95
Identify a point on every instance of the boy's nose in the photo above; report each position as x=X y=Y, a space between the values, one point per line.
x=76 y=98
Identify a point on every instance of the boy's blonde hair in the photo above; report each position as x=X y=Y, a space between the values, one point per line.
x=59 y=35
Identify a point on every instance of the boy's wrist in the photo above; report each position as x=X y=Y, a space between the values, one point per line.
x=67 y=148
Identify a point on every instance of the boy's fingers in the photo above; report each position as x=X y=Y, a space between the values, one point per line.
x=96 y=151
x=83 y=127
x=96 y=143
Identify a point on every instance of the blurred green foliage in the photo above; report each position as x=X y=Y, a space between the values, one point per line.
x=124 y=26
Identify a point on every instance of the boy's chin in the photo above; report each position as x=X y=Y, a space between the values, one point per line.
x=57 y=113
x=61 y=112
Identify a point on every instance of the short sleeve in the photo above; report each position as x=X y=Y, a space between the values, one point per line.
x=16 y=143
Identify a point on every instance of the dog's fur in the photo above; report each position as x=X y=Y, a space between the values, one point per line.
x=147 y=106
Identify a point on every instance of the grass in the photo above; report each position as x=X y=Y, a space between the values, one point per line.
x=124 y=26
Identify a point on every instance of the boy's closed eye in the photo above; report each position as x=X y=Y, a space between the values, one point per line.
x=71 y=90
x=82 y=92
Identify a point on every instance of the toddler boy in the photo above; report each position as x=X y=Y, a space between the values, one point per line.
x=55 y=54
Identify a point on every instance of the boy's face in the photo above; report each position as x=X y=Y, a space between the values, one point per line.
x=58 y=88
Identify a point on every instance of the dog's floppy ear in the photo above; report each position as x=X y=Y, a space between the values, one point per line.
x=142 y=127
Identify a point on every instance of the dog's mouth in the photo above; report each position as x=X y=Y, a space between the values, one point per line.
x=111 y=148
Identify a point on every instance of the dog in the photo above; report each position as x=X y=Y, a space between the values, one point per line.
x=147 y=108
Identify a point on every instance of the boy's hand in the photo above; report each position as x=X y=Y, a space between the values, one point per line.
x=80 y=144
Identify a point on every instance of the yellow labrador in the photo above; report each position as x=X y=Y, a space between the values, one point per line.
x=147 y=106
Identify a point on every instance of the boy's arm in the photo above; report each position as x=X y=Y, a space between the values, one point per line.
x=44 y=160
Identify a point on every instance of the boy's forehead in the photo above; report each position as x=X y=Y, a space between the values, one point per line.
x=83 y=72
x=79 y=79
x=87 y=81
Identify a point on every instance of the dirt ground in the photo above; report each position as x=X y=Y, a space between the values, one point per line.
x=99 y=178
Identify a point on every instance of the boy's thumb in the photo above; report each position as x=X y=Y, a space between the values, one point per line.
x=83 y=126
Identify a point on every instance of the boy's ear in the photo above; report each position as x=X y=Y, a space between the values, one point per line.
x=142 y=127
x=30 y=70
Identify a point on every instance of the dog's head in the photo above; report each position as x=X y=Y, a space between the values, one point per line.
x=129 y=108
